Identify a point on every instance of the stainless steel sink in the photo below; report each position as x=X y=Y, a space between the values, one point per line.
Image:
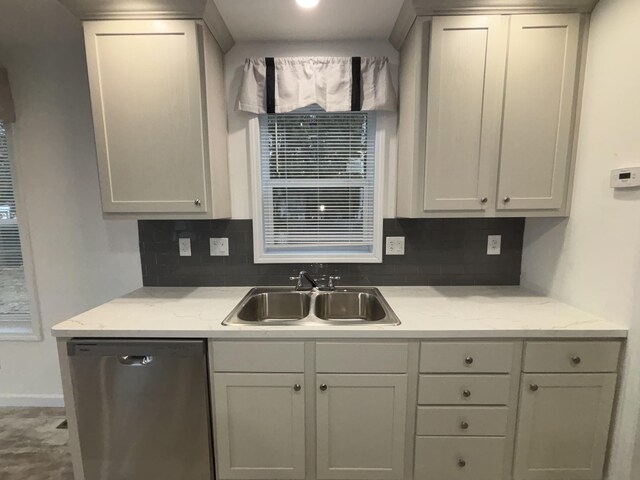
x=284 y=306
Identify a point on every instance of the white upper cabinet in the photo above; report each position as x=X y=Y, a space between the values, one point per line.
x=538 y=111
x=487 y=109
x=161 y=145
x=463 y=111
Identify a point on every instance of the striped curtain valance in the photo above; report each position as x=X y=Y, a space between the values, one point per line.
x=7 y=112
x=336 y=84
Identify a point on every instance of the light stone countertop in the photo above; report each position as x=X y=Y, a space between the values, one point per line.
x=425 y=312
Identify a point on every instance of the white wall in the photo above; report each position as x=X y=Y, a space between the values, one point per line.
x=80 y=259
x=592 y=260
x=239 y=166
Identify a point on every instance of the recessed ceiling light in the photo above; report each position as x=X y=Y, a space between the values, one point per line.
x=307 y=3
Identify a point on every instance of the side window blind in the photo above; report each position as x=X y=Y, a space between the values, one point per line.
x=14 y=298
x=317 y=182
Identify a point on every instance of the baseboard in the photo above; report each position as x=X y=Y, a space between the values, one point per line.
x=35 y=400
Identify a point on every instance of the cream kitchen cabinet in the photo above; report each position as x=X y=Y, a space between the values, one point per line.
x=159 y=115
x=260 y=425
x=564 y=418
x=360 y=426
x=487 y=115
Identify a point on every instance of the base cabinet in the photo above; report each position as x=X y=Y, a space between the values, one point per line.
x=361 y=426
x=260 y=425
x=563 y=426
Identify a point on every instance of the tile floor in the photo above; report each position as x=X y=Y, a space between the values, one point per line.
x=31 y=445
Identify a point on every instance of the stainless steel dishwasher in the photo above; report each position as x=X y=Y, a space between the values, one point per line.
x=142 y=408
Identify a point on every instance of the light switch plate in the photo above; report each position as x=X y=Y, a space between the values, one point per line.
x=184 y=244
x=494 y=243
x=219 y=247
x=395 y=246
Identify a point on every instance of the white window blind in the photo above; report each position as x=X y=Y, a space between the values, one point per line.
x=15 y=317
x=317 y=174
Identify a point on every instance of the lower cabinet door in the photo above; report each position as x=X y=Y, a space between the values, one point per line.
x=563 y=426
x=459 y=458
x=361 y=426
x=259 y=422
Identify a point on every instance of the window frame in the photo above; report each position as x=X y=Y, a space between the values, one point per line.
x=263 y=257
x=35 y=333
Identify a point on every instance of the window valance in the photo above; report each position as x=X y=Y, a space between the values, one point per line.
x=7 y=113
x=337 y=84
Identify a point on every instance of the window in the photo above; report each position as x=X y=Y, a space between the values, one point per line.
x=317 y=194
x=15 y=302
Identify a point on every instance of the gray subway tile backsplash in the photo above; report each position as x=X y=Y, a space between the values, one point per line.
x=437 y=252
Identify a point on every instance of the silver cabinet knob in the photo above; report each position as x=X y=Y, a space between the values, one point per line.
x=483 y=200
x=464 y=425
x=468 y=360
x=506 y=199
x=466 y=393
x=297 y=387
x=197 y=202
x=462 y=463
x=576 y=360
x=323 y=387
x=533 y=387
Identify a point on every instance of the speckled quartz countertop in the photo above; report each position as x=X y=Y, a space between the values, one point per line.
x=425 y=312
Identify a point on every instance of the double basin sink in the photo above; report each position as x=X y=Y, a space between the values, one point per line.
x=284 y=306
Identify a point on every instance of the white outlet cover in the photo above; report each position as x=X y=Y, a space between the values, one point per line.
x=395 y=245
x=219 y=247
x=494 y=244
x=184 y=244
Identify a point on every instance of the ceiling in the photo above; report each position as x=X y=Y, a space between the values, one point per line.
x=282 y=20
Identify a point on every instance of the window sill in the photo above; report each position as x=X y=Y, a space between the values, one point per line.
x=265 y=258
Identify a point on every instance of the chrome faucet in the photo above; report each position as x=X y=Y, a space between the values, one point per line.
x=314 y=284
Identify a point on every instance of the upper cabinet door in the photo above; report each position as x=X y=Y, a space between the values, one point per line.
x=147 y=99
x=538 y=111
x=466 y=77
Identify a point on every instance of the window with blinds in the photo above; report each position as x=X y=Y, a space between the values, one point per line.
x=317 y=186
x=15 y=315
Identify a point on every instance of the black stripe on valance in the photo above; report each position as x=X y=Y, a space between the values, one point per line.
x=271 y=84
x=356 y=84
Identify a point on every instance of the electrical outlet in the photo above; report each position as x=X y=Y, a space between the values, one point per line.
x=494 y=242
x=219 y=247
x=184 y=244
x=395 y=246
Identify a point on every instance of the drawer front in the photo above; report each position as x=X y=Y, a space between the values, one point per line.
x=258 y=357
x=459 y=458
x=565 y=357
x=463 y=357
x=462 y=421
x=463 y=390
x=361 y=357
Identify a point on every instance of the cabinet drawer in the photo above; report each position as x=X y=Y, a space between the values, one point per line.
x=258 y=357
x=463 y=357
x=459 y=458
x=564 y=357
x=352 y=357
x=469 y=421
x=463 y=390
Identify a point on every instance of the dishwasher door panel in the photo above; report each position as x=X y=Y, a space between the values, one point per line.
x=143 y=409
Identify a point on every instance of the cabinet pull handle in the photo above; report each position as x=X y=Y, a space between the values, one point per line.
x=297 y=387
x=576 y=360
x=462 y=463
x=466 y=393
x=533 y=387
x=197 y=202
x=468 y=360
x=483 y=200
x=506 y=199
x=464 y=425
x=323 y=387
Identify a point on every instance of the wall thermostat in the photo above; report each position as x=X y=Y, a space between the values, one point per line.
x=625 y=177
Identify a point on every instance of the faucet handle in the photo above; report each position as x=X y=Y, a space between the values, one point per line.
x=293 y=278
x=331 y=281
